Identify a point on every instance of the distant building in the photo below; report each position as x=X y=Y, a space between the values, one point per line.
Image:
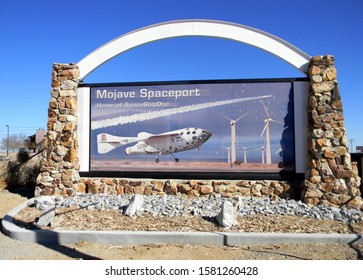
x=36 y=142
x=359 y=149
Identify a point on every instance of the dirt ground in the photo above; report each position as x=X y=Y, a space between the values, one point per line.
x=12 y=249
x=76 y=218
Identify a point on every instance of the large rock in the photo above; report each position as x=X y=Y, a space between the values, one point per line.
x=227 y=217
x=44 y=202
x=135 y=206
x=46 y=217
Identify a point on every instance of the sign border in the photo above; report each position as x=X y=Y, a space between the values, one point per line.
x=84 y=92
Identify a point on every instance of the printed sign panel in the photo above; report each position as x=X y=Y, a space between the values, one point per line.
x=193 y=127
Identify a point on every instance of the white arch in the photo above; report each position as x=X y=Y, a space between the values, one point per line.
x=209 y=28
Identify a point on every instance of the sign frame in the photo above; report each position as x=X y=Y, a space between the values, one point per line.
x=300 y=87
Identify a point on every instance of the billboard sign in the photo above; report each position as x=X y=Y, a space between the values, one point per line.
x=224 y=127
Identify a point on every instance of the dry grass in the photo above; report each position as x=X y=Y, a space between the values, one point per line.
x=3 y=174
x=19 y=171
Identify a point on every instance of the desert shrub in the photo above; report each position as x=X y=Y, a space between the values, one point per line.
x=22 y=171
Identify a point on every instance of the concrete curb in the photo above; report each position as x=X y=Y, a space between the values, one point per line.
x=138 y=237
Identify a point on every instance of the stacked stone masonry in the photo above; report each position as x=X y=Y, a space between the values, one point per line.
x=59 y=168
x=331 y=178
x=191 y=188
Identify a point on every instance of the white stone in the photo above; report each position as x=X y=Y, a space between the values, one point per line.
x=47 y=179
x=46 y=217
x=58 y=126
x=61 y=150
x=43 y=202
x=68 y=85
x=227 y=217
x=317 y=79
x=135 y=205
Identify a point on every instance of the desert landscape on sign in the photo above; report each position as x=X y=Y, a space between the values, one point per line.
x=183 y=166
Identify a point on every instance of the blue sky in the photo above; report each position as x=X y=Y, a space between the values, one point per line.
x=35 y=34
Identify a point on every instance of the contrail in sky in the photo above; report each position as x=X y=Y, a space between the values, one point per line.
x=167 y=112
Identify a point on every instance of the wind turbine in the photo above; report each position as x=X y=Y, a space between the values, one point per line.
x=262 y=148
x=266 y=130
x=245 y=153
x=232 y=123
x=229 y=153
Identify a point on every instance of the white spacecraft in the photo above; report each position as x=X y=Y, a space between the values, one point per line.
x=155 y=144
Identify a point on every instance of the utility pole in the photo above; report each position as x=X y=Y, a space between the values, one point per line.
x=7 y=143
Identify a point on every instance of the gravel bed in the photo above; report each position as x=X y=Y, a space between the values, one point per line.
x=172 y=206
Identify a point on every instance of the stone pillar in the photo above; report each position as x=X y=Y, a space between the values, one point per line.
x=331 y=178
x=59 y=168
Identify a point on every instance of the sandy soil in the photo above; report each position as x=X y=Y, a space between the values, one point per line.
x=12 y=249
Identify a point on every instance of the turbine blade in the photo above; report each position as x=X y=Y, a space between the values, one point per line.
x=271 y=120
x=264 y=128
x=226 y=117
x=241 y=117
x=227 y=148
x=267 y=114
x=244 y=147
x=259 y=149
